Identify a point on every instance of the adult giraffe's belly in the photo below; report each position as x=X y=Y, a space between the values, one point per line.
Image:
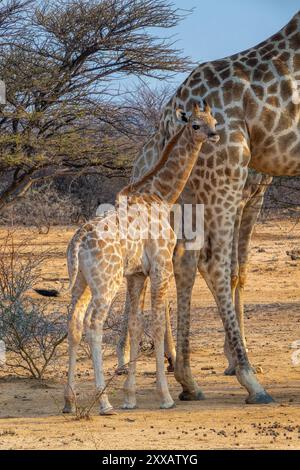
x=276 y=154
x=276 y=165
x=275 y=137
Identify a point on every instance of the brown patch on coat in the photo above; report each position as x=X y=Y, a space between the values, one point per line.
x=257 y=135
x=267 y=118
x=286 y=141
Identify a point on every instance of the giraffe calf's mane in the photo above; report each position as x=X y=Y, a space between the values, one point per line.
x=165 y=154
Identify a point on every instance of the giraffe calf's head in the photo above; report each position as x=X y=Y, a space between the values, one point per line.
x=201 y=122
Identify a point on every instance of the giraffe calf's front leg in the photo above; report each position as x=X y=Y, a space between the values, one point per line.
x=166 y=401
x=159 y=286
x=136 y=285
x=70 y=401
x=94 y=335
x=130 y=382
x=129 y=393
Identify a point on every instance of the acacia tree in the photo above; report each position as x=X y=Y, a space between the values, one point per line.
x=61 y=73
x=11 y=13
x=142 y=107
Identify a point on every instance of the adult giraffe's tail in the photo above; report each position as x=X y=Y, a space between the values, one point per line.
x=72 y=259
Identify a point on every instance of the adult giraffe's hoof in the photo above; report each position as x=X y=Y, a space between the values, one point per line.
x=69 y=407
x=262 y=398
x=123 y=370
x=191 y=396
x=230 y=370
x=171 y=363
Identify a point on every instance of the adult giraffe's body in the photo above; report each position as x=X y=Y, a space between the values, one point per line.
x=255 y=99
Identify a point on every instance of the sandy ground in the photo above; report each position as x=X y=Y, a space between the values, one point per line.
x=30 y=410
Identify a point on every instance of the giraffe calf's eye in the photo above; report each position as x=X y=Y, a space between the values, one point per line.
x=196 y=127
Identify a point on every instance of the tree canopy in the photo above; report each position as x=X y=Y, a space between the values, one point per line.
x=61 y=62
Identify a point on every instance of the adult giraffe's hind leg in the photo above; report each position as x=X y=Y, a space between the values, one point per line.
x=123 y=347
x=170 y=352
x=246 y=219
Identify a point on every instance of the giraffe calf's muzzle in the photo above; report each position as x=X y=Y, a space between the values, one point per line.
x=213 y=137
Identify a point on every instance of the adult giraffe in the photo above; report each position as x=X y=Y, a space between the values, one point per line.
x=255 y=99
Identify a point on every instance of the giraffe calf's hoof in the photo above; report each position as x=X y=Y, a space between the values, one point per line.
x=167 y=406
x=69 y=407
x=262 y=398
x=128 y=406
x=108 y=412
x=191 y=396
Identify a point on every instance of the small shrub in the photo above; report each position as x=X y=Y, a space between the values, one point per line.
x=42 y=207
x=30 y=330
x=31 y=335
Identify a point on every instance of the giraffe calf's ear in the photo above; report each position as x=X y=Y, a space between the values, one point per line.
x=181 y=115
x=206 y=107
x=196 y=108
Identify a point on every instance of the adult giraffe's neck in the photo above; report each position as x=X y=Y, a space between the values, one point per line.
x=169 y=175
x=287 y=39
x=292 y=27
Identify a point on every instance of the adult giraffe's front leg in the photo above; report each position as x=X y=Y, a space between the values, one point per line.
x=185 y=268
x=216 y=267
x=235 y=286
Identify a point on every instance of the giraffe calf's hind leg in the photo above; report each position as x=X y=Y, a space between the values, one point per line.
x=80 y=299
x=103 y=289
x=94 y=338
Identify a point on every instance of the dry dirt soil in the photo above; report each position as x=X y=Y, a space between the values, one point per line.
x=30 y=416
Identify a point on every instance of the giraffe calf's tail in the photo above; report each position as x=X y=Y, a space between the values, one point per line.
x=48 y=292
x=72 y=257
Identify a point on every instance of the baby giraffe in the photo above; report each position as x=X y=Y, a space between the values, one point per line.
x=102 y=252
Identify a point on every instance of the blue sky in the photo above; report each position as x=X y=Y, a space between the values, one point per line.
x=218 y=28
